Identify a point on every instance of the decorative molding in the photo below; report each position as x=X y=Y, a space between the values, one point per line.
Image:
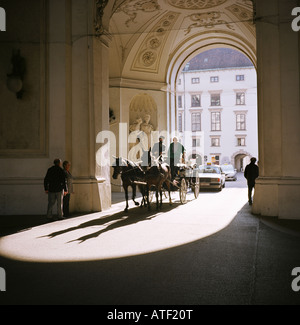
x=215 y=110
x=195 y=4
x=22 y=181
x=131 y=8
x=99 y=11
x=147 y=58
x=195 y=110
x=243 y=15
x=207 y=20
x=143 y=104
x=240 y=152
x=136 y=84
x=278 y=181
x=236 y=112
x=38 y=181
x=32 y=181
x=247 y=3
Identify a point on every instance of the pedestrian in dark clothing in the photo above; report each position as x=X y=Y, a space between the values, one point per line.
x=55 y=184
x=69 y=177
x=251 y=173
x=176 y=154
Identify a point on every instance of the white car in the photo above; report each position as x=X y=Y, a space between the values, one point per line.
x=211 y=176
x=230 y=172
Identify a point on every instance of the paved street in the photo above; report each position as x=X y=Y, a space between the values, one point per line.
x=210 y=251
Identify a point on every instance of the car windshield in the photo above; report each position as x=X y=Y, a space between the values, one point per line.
x=228 y=168
x=209 y=170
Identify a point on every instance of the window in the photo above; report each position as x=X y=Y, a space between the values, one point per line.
x=240 y=98
x=179 y=82
x=196 y=122
x=195 y=80
x=215 y=100
x=215 y=142
x=241 y=122
x=196 y=143
x=180 y=123
x=241 y=142
x=214 y=79
x=179 y=101
x=196 y=101
x=240 y=77
x=216 y=121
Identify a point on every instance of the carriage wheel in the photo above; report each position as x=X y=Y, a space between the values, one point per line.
x=196 y=187
x=183 y=191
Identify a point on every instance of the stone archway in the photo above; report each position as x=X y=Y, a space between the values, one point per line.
x=155 y=39
x=190 y=49
x=139 y=46
x=240 y=159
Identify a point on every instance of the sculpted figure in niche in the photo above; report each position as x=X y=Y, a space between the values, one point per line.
x=136 y=127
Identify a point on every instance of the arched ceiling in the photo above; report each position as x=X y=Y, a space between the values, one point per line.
x=147 y=35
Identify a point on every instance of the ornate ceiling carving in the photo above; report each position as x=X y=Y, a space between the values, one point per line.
x=99 y=10
x=131 y=8
x=195 y=4
x=207 y=20
x=155 y=23
x=151 y=49
x=243 y=15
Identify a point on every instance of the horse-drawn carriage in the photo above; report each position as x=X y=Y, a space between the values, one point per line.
x=185 y=178
x=158 y=178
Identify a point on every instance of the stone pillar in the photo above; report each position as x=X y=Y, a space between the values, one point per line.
x=90 y=110
x=278 y=187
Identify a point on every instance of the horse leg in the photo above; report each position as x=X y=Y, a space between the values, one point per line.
x=126 y=197
x=161 y=192
x=134 y=195
x=142 y=190
x=169 y=191
x=161 y=197
x=157 y=199
x=147 y=193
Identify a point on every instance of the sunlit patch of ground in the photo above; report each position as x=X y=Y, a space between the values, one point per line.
x=114 y=233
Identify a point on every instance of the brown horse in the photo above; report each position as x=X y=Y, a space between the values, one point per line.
x=130 y=173
x=158 y=175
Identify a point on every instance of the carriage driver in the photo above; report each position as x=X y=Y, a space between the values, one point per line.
x=159 y=148
x=176 y=154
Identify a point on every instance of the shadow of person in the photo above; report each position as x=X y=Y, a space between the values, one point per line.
x=114 y=221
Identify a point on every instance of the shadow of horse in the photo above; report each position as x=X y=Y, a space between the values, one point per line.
x=109 y=223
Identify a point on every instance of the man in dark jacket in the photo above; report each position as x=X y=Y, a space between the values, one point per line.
x=176 y=154
x=55 y=184
x=251 y=174
x=159 y=148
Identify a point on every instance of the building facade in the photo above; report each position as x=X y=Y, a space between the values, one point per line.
x=217 y=109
